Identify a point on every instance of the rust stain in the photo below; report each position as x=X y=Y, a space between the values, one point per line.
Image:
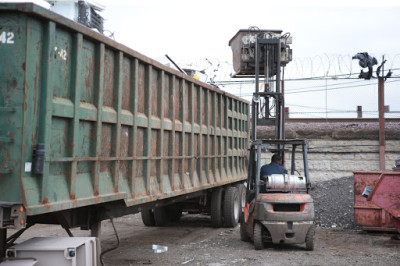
x=45 y=200
x=72 y=196
x=96 y=190
x=35 y=89
x=88 y=79
x=75 y=203
x=33 y=139
x=23 y=66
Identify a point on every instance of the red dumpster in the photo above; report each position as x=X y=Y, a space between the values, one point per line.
x=378 y=210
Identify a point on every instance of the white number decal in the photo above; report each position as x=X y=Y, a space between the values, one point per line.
x=62 y=53
x=10 y=37
x=7 y=37
x=3 y=37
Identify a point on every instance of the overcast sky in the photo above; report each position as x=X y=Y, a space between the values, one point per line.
x=325 y=36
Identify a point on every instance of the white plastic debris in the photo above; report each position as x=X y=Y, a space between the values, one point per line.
x=160 y=249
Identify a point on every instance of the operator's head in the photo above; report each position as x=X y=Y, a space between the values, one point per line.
x=276 y=158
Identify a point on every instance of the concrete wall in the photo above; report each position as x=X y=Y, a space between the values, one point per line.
x=329 y=159
x=339 y=155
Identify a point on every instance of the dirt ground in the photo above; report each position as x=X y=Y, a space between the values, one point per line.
x=192 y=241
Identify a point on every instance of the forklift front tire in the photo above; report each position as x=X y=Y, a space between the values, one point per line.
x=258 y=236
x=243 y=233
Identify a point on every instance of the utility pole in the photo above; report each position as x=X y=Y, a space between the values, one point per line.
x=366 y=60
x=381 y=106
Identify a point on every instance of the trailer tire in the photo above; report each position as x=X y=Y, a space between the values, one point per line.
x=231 y=207
x=148 y=217
x=242 y=197
x=243 y=233
x=310 y=238
x=216 y=208
x=258 y=236
x=95 y=228
x=161 y=216
x=175 y=213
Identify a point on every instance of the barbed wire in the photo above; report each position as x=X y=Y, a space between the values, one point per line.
x=338 y=71
x=319 y=66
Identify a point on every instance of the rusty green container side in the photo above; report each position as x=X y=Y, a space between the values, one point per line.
x=114 y=124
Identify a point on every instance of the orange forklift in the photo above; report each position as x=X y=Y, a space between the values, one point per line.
x=279 y=208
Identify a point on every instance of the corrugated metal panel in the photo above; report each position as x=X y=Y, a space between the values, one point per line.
x=114 y=123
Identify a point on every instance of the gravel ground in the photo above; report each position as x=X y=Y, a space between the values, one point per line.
x=333 y=202
x=193 y=241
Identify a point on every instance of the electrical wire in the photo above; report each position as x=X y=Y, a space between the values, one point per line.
x=333 y=77
x=306 y=90
x=338 y=88
x=113 y=248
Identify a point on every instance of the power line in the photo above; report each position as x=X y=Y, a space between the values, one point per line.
x=333 y=77
x=323 y=88
x=337 y=88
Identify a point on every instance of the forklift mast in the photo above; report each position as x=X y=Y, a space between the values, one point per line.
x=262 y=55
x=278 y=207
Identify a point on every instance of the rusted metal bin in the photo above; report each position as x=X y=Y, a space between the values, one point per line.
x=379 y=208
x=87 y=121
x=243 y=50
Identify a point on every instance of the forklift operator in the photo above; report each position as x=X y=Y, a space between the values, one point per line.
x=275 y=167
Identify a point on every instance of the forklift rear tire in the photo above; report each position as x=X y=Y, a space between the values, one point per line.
x=232 y=207
x=310 y=238
x=243 y=233
x=148 y=217
x=216 y=208
x=258 y=236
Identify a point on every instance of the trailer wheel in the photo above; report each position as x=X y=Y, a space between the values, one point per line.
x=258 y=236
x=95 y=228
x=243 y=233
x=161 y=216
x=216 y=208
x=148 y=217
x=242 y=197
x=175 y=213
x=310 y=238
x=231 y=207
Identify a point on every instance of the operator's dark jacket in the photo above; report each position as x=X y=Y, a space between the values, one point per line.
x=271 y=169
